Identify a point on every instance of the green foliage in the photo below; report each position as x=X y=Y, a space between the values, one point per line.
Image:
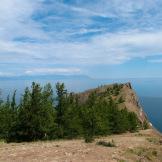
x=72 y=125
x=88 y=138
x=120 y=100
x=8 y=116
x=40 y=115
x=153 y=140
x=35 y=115
x=116 y=89
x=133 y=122
x=145 y=125
x=61 y=108
x=145 y=153
x=89 y=118
x=5 y=120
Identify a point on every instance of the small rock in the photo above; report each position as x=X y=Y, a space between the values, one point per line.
x=160 y=141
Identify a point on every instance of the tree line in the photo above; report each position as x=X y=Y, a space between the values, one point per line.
x=45 y=114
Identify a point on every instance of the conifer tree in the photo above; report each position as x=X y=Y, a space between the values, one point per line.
x=89 y=118
x=48 y=113
x=60 y=108
x=72 y=118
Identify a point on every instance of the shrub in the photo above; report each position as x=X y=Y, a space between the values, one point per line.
x=107 y=144
x=145 y=125
x=88 y=139
x=120 y=100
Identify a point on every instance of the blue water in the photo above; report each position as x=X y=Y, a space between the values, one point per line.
x=149 y=90
x=153 y=108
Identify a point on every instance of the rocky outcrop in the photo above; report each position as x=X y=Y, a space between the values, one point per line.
x=130 y=99
x=132 y=102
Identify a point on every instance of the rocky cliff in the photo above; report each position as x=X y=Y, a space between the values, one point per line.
x=118 y=92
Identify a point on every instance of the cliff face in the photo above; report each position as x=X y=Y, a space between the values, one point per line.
x=132 y=101
x=117 y=91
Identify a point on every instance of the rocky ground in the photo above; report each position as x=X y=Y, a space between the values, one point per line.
x=142 y=146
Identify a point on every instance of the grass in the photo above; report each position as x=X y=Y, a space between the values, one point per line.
x=106 y=144
x=2 y=141
x=154 y=153
x=153 y=140
x=146 y=153
x=139 y=134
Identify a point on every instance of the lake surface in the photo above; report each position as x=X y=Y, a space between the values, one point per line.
x=148 y=90
x=153 y=108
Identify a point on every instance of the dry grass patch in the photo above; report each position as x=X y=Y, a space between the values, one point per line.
x=143 y=153
x=153 y=140
x=106 y=144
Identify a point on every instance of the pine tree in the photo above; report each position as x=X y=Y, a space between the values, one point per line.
x=36 y=115
x=72 y=118
x=60 y=108
x=48 y=113
x=133 y=121
x=89 y=118
x=102 y=113
x=13 y=103
x=24 y=124
x=5 y=121
x=14 y=115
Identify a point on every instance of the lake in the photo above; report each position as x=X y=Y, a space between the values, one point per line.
x=153 y=108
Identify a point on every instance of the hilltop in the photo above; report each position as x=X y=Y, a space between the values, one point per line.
x=122 y=94
x=120 y=146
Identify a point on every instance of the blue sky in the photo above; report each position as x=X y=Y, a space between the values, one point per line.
x=99 y=38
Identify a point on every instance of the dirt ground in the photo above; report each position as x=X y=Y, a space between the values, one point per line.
x=142 y=146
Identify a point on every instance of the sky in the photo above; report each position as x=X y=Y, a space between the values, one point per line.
x=98 y=38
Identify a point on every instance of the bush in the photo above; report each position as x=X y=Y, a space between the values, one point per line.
x=107 y=144
x=154 y=153
x=145 y=125
x=120 y=100
x=88 y=139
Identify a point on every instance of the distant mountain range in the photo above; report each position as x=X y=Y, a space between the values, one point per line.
x=33 y=77
x=151 y=87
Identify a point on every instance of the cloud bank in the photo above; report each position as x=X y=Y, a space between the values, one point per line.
x=45 y=36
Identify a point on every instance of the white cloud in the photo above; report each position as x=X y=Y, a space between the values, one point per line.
x=140 y=37
x=43 y=71
x=105 y=49
x=15 y=20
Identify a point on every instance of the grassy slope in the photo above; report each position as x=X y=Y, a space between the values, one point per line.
x=141 y=146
